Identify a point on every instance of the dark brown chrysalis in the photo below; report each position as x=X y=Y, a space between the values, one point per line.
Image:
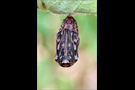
x=67 y=42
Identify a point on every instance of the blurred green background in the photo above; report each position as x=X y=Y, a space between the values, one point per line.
x=83 y=74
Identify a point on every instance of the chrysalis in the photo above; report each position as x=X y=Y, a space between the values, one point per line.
x=67 y=42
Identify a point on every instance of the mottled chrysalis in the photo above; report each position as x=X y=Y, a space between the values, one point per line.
x=67 y=42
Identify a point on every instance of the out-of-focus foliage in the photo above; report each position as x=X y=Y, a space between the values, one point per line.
x=83 y=74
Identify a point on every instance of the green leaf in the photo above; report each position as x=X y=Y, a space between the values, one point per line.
x=69 y=6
